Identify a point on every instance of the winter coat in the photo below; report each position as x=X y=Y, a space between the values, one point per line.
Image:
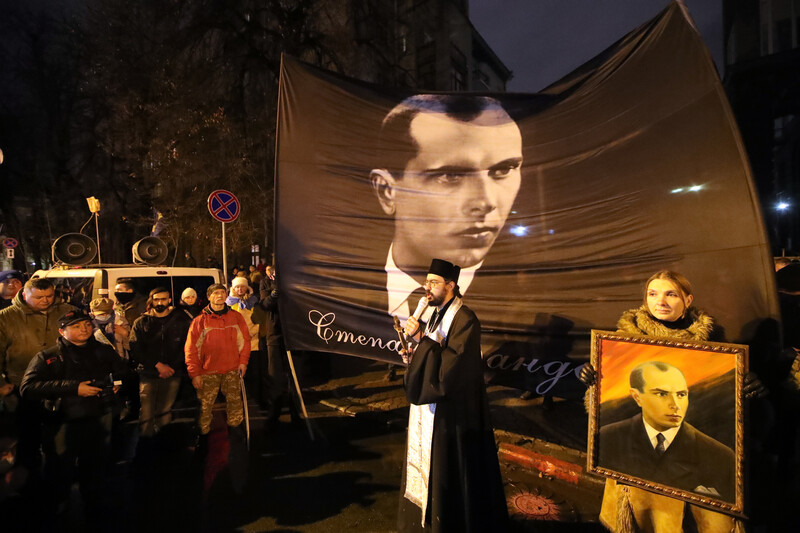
x=131 y=310
x=217 y=343
x=625 y=508
x=157 y=339
x=245 y=306
x=58 y=371
x=269 y=303
x=119 y=342
x=696 y=325
x=193 y=309
x=25 y=332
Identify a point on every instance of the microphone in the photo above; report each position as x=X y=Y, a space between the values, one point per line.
x=422 y=305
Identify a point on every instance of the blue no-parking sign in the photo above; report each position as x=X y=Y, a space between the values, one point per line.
x=223 y=205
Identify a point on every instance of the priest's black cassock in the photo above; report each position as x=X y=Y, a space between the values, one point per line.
x=465 y=487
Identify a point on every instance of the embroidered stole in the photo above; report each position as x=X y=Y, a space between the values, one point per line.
x=420 y=426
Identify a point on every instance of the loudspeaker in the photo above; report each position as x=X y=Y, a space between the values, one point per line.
x=74 y=249
x=150 y=251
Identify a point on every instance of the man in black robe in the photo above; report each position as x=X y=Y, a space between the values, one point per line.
x=451 y=479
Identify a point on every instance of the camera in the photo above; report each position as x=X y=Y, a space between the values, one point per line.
x=107 y=385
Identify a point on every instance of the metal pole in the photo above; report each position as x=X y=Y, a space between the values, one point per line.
x=299 y=394
x=224 y=257
x=97 y=232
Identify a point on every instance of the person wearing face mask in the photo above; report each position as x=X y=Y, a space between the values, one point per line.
x=128 y=307
x=102 y=311
x=157 y=340
x=129 y=304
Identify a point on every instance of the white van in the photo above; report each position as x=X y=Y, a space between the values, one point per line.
x=78 y=285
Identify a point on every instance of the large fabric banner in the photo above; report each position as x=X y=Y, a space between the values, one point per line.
x=557 y=206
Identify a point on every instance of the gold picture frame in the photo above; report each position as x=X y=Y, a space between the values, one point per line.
x=699 y=411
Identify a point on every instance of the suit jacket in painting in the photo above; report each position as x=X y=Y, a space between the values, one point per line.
x=692 y=460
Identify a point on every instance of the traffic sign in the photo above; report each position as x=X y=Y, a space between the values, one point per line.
x=223 y=205
x=10 y=253
x=10 y=242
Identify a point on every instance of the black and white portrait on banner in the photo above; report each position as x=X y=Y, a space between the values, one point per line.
x=556 y=205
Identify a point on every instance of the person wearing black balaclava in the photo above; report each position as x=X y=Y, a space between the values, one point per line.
x=157 y=340
x=130 y=304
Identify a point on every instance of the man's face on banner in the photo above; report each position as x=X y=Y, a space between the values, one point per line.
x=455 y=194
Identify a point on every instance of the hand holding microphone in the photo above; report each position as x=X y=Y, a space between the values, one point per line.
x=412 y=324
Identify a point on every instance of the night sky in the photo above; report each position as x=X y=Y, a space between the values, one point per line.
x=542 y=40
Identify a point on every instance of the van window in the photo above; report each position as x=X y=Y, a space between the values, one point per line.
x=74 y=291
x=78 y=291
x=176 y=285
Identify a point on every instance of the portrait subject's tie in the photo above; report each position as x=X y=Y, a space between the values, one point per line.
x=660 y=448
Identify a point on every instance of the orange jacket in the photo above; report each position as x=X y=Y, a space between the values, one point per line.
x=217 y=343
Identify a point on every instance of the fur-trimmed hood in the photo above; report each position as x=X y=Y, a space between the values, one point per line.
x=701 y=326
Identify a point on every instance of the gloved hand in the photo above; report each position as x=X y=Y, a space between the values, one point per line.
x=753 y=387
x=588 y=375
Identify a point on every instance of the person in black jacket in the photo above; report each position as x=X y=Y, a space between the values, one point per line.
x=74 y=379
x=157 y=343
x=189 y=302
x=274 y=383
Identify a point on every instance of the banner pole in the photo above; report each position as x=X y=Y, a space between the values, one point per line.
x=224 y=258
x=299 y=394
x=97 y=232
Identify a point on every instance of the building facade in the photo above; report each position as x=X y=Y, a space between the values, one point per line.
x=762 y=57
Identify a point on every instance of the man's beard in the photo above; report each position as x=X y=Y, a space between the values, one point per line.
x=160 y=308
x=434 y=300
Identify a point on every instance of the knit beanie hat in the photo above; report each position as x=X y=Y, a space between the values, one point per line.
x=188 y=291
x=239 y=281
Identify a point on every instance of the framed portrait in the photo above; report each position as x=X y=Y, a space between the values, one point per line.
x=666 y=416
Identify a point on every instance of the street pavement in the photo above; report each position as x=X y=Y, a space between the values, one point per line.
x=346 y=478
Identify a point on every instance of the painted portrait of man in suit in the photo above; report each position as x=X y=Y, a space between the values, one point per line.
x=658 y=445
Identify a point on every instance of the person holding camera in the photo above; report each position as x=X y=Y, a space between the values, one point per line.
x=77 y=381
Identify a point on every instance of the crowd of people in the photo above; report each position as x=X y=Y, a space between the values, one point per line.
x=73 y=376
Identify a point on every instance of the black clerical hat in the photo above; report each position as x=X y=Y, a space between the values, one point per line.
x=446 y=269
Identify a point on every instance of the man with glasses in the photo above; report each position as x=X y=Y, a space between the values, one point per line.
x=451 y=480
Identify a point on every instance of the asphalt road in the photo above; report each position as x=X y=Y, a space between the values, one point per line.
x=346 y=479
